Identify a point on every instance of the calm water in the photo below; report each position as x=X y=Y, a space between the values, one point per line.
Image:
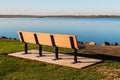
x=86 y=29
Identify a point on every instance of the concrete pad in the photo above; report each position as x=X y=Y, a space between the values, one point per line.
x=49 y=56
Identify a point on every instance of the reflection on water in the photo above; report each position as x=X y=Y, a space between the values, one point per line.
x=86 y=29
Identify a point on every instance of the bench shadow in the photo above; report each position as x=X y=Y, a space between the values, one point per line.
x=98 y=56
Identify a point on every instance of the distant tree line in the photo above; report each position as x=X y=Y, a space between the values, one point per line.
x=64 y=16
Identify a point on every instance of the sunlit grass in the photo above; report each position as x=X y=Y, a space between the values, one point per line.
x=12 y=68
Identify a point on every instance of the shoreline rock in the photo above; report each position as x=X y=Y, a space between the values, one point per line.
x=106 y=44
x=6 y=38
x=91 y=43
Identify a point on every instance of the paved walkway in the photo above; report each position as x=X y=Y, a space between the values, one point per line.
x=49 y=56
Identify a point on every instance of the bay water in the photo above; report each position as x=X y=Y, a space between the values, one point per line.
x=98 y=30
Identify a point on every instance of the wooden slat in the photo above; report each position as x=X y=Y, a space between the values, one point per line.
x=64 y=40
x=75 y=41
x=44 y=39
x=28 y=37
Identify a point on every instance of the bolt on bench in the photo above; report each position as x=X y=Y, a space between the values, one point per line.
x=56 y=40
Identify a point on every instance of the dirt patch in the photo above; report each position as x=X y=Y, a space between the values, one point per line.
x=111 y=74
x=107 y=50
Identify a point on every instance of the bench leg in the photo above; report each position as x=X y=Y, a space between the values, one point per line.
x=26 y=51
x=40 y=50
x=75 y=56
x=56 y=53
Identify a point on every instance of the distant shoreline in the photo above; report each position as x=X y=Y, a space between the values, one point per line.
x=60 y=16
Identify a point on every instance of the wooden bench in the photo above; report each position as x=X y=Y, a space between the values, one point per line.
x=56 y=40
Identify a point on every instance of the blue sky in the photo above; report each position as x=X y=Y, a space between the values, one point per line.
x=60 y=7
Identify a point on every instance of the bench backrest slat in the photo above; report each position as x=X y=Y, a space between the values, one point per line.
x=28 y=37
x=44 y=39
x=62 y=40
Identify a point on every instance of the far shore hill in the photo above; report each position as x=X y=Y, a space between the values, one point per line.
x=60 y=16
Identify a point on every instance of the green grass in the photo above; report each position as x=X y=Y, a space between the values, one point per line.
x=8 y=46
x=12 y=68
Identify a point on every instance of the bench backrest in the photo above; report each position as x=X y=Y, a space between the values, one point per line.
x=58 y=40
